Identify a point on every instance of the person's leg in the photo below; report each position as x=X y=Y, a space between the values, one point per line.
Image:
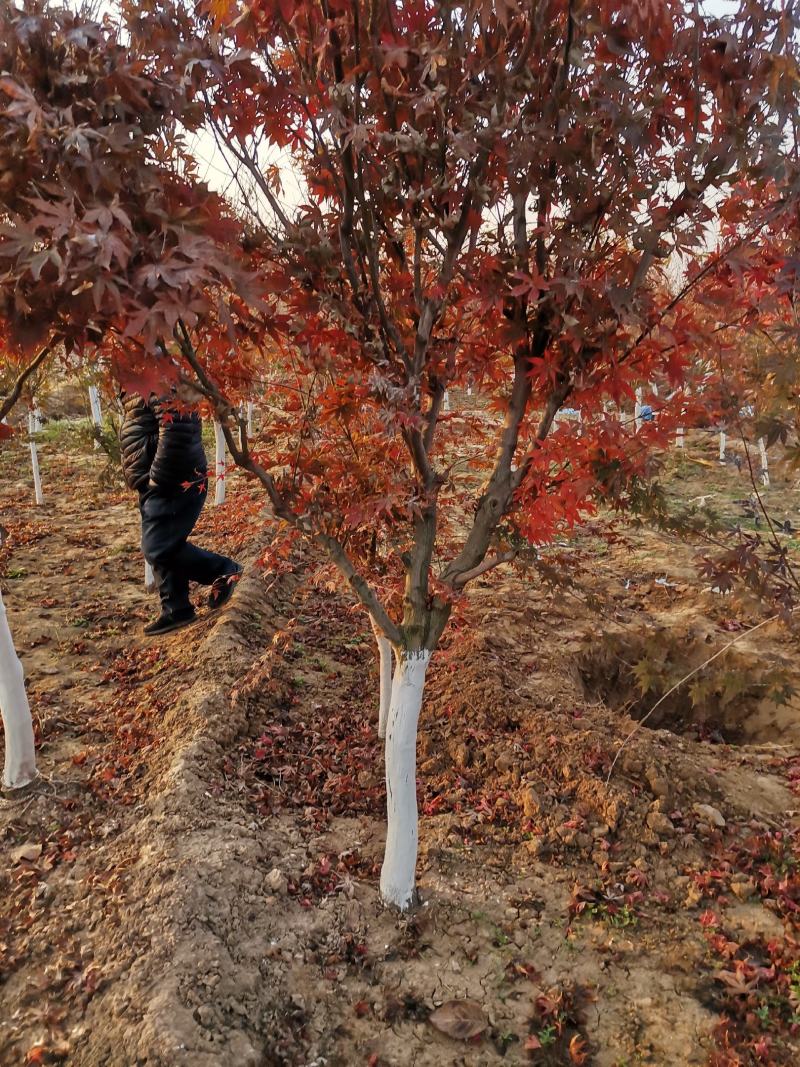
x=200 y=565
x=165 y=527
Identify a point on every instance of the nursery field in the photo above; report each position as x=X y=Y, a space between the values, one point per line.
x=194 y=880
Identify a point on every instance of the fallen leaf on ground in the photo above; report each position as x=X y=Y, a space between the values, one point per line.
x=461 y=1019
x=28 y=851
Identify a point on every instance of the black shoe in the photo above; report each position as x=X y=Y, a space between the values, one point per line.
x=222 y=589
x=168 y=621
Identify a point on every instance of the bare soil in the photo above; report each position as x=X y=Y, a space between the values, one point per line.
x=198 y=880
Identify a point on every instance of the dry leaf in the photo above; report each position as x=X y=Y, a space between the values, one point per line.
x=28 y=851
x=578 y=1053
x=461 y=1019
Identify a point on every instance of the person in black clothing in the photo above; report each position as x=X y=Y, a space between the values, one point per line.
x=162 y=454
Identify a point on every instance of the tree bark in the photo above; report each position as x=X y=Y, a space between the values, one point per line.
x=20 y=757
x=385 y=667
x=219 y=465
x=762 y=451
x=398 y=873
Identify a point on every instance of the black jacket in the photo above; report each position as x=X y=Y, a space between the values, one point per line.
x=162 y=448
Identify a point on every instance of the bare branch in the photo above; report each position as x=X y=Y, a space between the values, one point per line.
x=16 y=390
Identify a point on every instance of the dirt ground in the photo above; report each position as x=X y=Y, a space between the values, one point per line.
x=195 y=882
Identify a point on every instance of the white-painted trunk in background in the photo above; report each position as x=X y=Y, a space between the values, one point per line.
x=637 y=411
x=20 y=758
x=219 y=464
x=149 y=578
x=385 y=668
x=679 y=438
x=762 y=451
x=446 y=400
x=723 y=440
x=94 y=404
x=37 y=478
x=400 y=858
x=250 y=412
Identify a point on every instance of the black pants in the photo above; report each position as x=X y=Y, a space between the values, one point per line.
x=167 y=522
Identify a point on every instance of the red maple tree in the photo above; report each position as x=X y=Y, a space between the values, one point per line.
x=494 y=198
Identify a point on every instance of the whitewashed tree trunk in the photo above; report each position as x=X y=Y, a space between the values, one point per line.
x=385 y=667
x=219 y=465
x=94 y=404
x=37 y=417
x=679 y=438
x=37 y=479
x=20 y=757
x=250 y=412
x=149 y=578
x=637 y=410
x=400 y=859
x=723 y=439
x=446 y=400
x=762 y=451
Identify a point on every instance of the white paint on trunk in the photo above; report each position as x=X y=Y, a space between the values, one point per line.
x=762 y=451
x=400 y=859
x=219 y=464
x=446 y=400
x=149 y=578
x=20 y=758
x=723 y=439
x=679 y=437
x=250 y=412
x=94 y=404
x=385 y=667
x=637 y=410
x=37 y=478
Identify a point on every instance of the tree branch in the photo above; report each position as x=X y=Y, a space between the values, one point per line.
x=243 y=458
x=16 y=390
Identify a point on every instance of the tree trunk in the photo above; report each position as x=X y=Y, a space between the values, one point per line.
x=20 y=757
x=250 y=411
x=385 y=665
x=637 y=411
x=219 y=464
x=723 y=439
x=762 y=451
x=400 y=859
x=97 y=415
x=37 y=478
x=679 y=437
